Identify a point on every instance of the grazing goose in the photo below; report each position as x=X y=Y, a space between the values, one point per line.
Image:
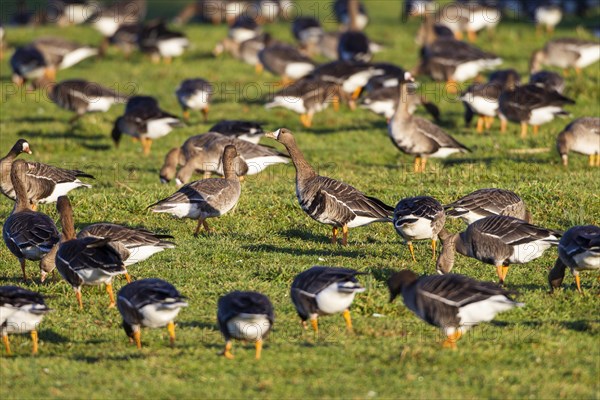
x=286 y=61
x=548 y=80
x=547 y=16
x=152 y=303
x=325 y=291
x=243 y=28
x=161 y=43
x=44 y=183
x=487 y=202
x=354 y=46
x=125 y=38
x=530 y=105
x=566 y=53
x=343 y=12
x=454 y=303
x=580 y=136
x=578 y=250
x=497 y=240
x=81 y=97
x=246 y=51
x=250 y=131
x=327 y=200
x=308 y=32
x=124 y=12
x=245 y=316
x=328 y=45
x=194 y=94
x=418 y=218
x=144 y=121
x=384 y=101
x=207 y=198
x=88 y=261
x=28 y=64
x=21 y=311
x=29 y=235
x=469 y=18
x=418 y=136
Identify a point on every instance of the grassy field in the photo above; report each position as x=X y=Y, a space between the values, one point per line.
x=547 y=349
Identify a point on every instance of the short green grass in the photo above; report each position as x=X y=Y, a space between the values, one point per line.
x=547 y=349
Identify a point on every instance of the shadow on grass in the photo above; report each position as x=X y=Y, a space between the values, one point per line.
x=59 y=135
x=198 y=324
x=96 y=146
x=96 y=359
x=32 y=120
x=302 y=252
x=48 y=335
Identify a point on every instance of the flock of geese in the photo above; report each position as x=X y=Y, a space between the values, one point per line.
x=498 y=232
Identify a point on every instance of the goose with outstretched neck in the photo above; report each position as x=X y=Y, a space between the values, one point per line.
x=330 y=201
x=29 y=235
x=87 y=261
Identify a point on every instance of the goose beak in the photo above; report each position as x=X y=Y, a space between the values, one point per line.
x=26 y=149
x=272 y=135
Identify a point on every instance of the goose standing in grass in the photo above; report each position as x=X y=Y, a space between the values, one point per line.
x=497 y=240
x=246 y=51
x=81 y=97
x=354 y=46
x=454 y=303
x=207 y=198
x=28 y=64
x=547 y=16
x=309 y=33
x=250 y=131
x=487 y=202
x=286 y=61
x=418 y=218
x=90 y=261
x=566 y=53
x=578 y=250
x=325 y=291
x=160 y=42
x=418 y=136
x=109 y=19
x=245 y=316
x=243 y=28
x=21 y=311
x=144 y=121
x=344 y=13
x=469 y=18
x=194 y=94
x=330 y=201
x=548 y=80
x=152 y=303
x=580 y=136
x=44 y=183
x=384 y=101
x=29 y=235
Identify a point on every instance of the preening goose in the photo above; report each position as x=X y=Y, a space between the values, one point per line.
x=29 y=235
x=207 y=198
x=152 y=303
x=418 y=218
x=325 y=291
x=580 y=136
x=327 y=200
x=454 y=303
x=566 y=53
x=21 y=311
x=194 y=94
x=245 y=316
x=487 y=202
x=548 y=80
x=578 y=250
x=497 y=240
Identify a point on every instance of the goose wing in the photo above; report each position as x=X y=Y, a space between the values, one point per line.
x=437 y=134
x=29 y=229
x=483 y=202
x=15 y=296
x=235 y=303
x=150 y=291
x=90 y=253
x=129 y=237
x=580 y=239
x=513 y=231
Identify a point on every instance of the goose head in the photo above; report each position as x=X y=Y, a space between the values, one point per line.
x=399 y=281
x=21 y=146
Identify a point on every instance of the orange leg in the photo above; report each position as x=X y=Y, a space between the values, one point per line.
x=411 y=248
x=227 y=351
x=111 y=295
x=146 y=145
x=344 y=235
x=578 y=283
x=423 y=164
x=504 y=272
x=127 y=277
x=34 y=342
x=503 y=125
x=78 y=295
x=171 y=330
x=348 y=320
x=259 y=68
x=480 y=124
x=451 y=86
x=523 y=130
x=205 y=114
x=489 y=121
x=334 y=233
x=472 y=36
x=258 y=346
x=186 y=115
x=356 y=93
x=433 y=247
x=499 y=273
x=315 y=326
x=450 y=343
x=6 y=344
x=536 y=130
x=417 y=167
x=336 y=103
x=137 y=337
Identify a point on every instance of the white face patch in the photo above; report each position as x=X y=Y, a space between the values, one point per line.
x=277 y=133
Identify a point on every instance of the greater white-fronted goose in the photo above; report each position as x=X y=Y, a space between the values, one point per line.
x=530 y=105
x=286 y=61
x=250 y=131
x=145 y=121
x=247 y=316
x=327 y=200
x=308 y=32
x=414 y=8
x=194 y=94
x=547 y=16
x=418 y=218
x=548 y=80
x=123 y=12
x=29 y=235
x=243 y=28
x=487 y=202
x=247 y=51
x=125 y=38
x=580 y=136
x=418 y=136
x=469 y=18
x=454 y=303
x=28 y=64
x=81 y=97
x=566 y=53
x=160 y=42
x=497 y=240
x=384 y=101
x=343 y=12
x=44 y=183
x=207 y=198
x=89 y=261
x=325 y=291
x=354 y=46
x=578 y=250
x=152 y=303
x=21 y=311
x=328 y=45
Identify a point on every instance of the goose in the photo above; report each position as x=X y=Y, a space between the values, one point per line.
x=418 y=136
x=152 y=303
x=487 y=202
x=580 y=136
x=384 y=101
x=530 y=105
x=207 y=198
x=243 y=28
x=454 y=303
x=194 y=94
x=327 y=200
x=81 y=97
x=391 y=75
x=328 y=45
x=308 y=32
x=578 y=250
x=414 y=8
x=343 y=13
x=418 y=218
x=547 y=16
x=69 y=12
x=306 y=97
x=286 y=61
x=21 y=311
x=89 y=261
x=161 y=43
x=497 y=240
x=145 y=121
x=354 y=46
x=548 y=80
x=469 y=18
x=566 y=53
x=246 y=51
x=28 y=64
x=125 y=38
x=250 y=131
x=325 y=291
x=124 y=12
x=245 y=316
x=29 y=235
